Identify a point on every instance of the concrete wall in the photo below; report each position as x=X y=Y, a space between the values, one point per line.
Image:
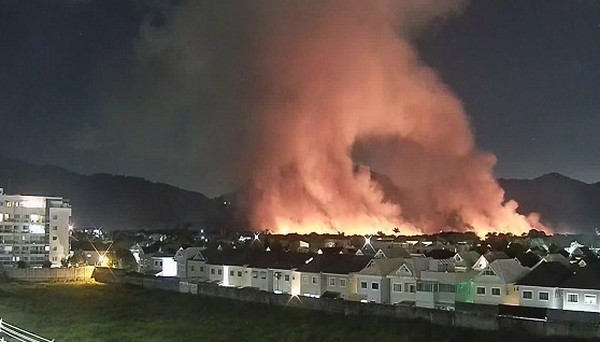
x=482 y=317
x=51 y=274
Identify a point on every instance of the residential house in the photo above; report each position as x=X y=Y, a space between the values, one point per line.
x=391 y=252
x=581 y=291
x=464 y=261
x=332 y=273
x=484 y=260
x=493 y=284
x=403 y=280
x=182 y=256
x=540 y=287
x=373 y=285
x=436 y=287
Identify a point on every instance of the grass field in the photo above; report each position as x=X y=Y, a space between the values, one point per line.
x=96 y=312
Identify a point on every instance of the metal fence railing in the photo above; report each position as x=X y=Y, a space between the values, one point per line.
x=14 y=333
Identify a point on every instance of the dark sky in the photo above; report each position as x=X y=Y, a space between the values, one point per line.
x=114 y=86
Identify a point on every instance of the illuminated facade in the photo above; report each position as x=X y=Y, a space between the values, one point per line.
x=34 y=229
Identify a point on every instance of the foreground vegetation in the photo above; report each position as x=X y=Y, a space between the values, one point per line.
x=96 y=312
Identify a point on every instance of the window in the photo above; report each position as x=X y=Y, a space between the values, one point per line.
x=331 y=281
x=315 y=280
x=231 y=273
x=543 y=296
x=286 y=277
x=374 y=286
x=481 y=290
x=448 y=288
x=156 y=263
x=192 y=268
x=201 y=268
x=397 y=287
x=239 y=273
x=55 y=217
x=304 y=279
x=55 y=228
x=54 y=238
x=572 y=298
x=411 y=288
x=263 y=275
x=363 y=284
x=342 y=282
x=254 y=274
x=161 y=264
x=527 y=295
x=489 y=272
x=212 y=271
x=425 y=287
x=219 y=271
x=495 y=291
x=54 y=248
x=590 y=299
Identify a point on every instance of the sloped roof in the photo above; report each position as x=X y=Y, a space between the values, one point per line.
x=335 y=263
x=547 y=274
x=528 y=259
x=557 y=257
x=382 y=267
x=508 y=270
x=394 y=252
x=468 y=258
x=440 y=253
x=415 y=265
x=188 y=253
x=587 y=277
x=495 y=255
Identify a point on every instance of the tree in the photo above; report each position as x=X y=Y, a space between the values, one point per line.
x=77 y=259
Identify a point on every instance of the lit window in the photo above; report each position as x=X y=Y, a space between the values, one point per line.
x=495 y=291
x=481 y=290
x=363 y=284
x=573 y=298
x=527 y=295
x=331 y=281
x=342 y=282
x=543 y=295
x=375 y=286
x=590 y=299
x=397 y=287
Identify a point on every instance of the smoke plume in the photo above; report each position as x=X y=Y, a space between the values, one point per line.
x=335 y=90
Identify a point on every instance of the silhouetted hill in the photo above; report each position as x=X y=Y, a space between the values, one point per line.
x=112 y=201
x=566 y=204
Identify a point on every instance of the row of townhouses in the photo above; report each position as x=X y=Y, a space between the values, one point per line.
x=466 y=277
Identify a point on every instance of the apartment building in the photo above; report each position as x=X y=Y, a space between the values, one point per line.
x=34 y=229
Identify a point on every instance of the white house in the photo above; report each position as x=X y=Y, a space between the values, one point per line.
x=182 y=256
x=540 y=287
x=403 y=280
x=581 y=291
x=331 y=273
x=373 y=285
x=494 y=284
x=464 y=261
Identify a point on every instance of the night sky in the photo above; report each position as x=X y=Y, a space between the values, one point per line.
x=109 y=86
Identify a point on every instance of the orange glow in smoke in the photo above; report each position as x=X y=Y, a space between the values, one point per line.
x=339 y=78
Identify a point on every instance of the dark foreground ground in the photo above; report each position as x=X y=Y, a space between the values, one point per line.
x=96 y=312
